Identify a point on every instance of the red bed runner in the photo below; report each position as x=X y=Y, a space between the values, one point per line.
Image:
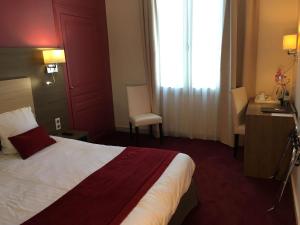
x=107 y=196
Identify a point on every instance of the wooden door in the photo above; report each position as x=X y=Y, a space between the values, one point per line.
x=88 y=77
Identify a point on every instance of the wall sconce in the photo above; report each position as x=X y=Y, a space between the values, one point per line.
x=290 y=44
x=51 y=59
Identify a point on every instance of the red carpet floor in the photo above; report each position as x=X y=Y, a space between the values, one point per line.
x=226 y=196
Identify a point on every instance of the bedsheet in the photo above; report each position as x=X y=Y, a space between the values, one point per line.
x=29 y=186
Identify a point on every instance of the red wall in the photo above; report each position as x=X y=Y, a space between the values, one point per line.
x=27 y=23
x=32 y=23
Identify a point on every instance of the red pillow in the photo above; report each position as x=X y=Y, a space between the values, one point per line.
x=31 y=141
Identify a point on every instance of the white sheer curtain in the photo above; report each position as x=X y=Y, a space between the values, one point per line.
x=182 y=58
x=189 y=37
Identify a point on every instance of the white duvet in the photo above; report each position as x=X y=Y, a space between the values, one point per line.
x=29 y=186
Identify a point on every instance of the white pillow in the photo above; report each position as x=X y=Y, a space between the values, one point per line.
x=14 y=123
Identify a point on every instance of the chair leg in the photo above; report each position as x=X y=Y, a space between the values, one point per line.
x=161 y=133
x=151 y=130
x=136 y=135
x=130 y=127
x=236 y=145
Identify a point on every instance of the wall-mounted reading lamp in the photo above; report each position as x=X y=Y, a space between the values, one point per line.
x=290 y=44
x=51 y=59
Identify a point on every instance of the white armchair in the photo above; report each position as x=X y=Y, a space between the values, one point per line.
x=140 y=113
x=239 y=105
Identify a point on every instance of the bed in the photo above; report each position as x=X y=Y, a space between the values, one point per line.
x=32 y=185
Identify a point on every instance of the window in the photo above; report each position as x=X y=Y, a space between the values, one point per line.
x=190 y=39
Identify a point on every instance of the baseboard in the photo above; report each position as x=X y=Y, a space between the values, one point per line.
x=296 y=202
x=122 y=129
x=142 y=130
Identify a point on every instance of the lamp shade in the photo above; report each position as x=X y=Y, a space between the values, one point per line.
x=54 y=56
x=290 y=42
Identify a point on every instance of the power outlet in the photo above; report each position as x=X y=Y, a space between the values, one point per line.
x=57 y=123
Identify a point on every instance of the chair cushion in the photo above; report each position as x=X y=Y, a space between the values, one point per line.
x=240 y=129
x=145 y=119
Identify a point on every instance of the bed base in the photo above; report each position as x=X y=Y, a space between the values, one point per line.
x=188 y=202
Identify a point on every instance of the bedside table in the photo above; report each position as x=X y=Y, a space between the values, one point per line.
x=73 y=134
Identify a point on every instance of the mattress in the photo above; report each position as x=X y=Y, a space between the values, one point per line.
x=29 y=186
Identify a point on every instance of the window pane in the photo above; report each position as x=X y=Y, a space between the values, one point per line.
x=207 y=28
x=172 y=25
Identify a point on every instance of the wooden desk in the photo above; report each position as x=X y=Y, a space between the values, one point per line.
x=266 y=138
